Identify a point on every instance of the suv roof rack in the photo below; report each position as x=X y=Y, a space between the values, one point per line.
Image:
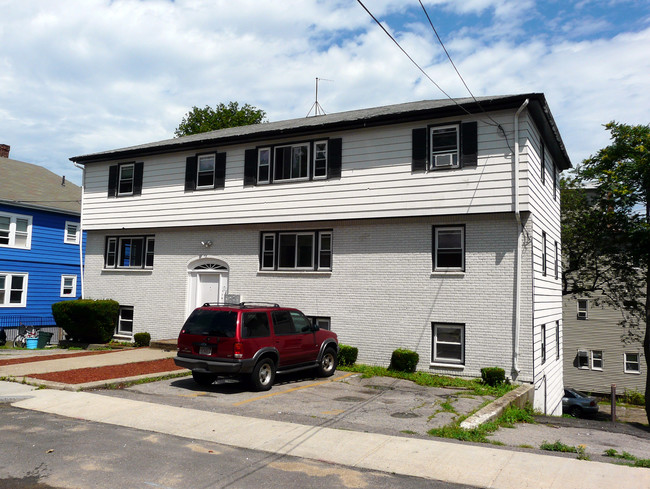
x=242 y=305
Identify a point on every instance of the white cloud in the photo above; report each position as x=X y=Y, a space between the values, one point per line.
x=90 y=75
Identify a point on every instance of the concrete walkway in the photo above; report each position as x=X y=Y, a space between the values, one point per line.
x=431 y=459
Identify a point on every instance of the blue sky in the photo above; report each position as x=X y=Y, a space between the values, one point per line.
x=80 y=76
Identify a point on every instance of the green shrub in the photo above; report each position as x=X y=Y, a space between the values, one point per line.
x=404 y=360
x=142 y=339
x=347 y=355
x=634 y=397
x=87 y=320
x=493 y=376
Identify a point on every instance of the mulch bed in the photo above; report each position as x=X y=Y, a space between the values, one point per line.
x=16 y=361
x=93 y=374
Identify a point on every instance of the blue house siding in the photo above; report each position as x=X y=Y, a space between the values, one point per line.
x=48 y=258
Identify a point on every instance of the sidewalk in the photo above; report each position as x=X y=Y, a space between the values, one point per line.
x=432 y=459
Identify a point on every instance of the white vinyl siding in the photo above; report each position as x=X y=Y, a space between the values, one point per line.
x=376 y=182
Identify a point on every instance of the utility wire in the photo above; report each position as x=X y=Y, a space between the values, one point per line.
x=412 y=60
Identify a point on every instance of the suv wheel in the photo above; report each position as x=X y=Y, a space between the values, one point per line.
x=327 y=364
x=203 y=378
x=263 y=375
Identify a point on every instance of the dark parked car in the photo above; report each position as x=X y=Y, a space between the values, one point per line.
x=253 y=342
x=578 y=403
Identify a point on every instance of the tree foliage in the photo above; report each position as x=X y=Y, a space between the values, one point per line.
x=606 y=230
x=208 y=119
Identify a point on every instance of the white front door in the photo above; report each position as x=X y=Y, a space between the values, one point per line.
x=208 y=282
x=208 y=288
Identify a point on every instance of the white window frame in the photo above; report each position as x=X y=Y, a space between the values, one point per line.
x=637 y=362
x=543 y=343
x=582 y=313
x=583 y=354
x=210 y=157
x=455 y=154
x=270 y=250
x=594 y=360
x=557 y=340
x=148 y=247
x=544 y=254
x=557 y=261
x=73 y=292
x=118 y=328
x=268 y=165
x=322 y=250
x=12 y=232
x=322 y=322
x=435 y=358
x=315 y=157
x=70 y=238
x=293 y=147
x=8 y=283
x=121 y=180
x=437 y=248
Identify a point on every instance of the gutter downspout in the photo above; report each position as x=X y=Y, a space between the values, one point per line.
x=81 y=232
x=517 y=298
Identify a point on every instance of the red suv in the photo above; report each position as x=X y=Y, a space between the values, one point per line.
x=253 y=342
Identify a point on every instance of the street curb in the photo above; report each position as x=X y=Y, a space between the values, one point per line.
x=98 y=384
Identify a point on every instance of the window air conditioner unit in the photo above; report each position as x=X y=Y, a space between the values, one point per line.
x=444 y=160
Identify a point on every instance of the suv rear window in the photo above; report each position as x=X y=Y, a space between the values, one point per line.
x=212 y=323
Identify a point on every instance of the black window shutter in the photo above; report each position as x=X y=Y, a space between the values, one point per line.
x=419 y=149
x=250 y=167
x=469 y=144
x=334 y=157
x=138 y=169
x=112 y=180
x=220 y=171
x=190 y=173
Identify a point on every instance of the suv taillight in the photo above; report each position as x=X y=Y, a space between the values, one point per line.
x=238 y=350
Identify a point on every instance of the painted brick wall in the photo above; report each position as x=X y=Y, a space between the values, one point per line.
x=381 y=294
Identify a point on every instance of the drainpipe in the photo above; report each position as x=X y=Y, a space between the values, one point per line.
x=81 y=233
x=515 y=359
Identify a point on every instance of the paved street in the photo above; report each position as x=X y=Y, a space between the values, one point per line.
x=44 y=451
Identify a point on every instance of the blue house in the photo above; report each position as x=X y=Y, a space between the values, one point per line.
x=41 y=242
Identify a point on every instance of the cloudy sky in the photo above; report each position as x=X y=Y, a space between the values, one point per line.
x=80 y=76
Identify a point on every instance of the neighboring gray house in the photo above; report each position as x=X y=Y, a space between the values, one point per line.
x=597 y=350
x=431 y=225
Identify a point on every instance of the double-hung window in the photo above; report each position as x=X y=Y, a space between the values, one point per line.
x=320 y=159
x=557 y=261
x=543 y=253
x=543 y=343
x=632 y=363
x=449 y=248
x=596 y=359
x=291 y=162
x=557 y=340
x=72 y=234
x=264 y=166
x=125 y=179
x=205 y=171
x=68 y=285
x=125 y=321
x=444 y=144
x=13 y=289
x=129 y=252
x=583 y=308
x=542 y=162
x=15 y=231
x=304 y=250
x=448 y=343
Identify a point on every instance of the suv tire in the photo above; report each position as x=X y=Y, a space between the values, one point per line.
x=263 y=375
x=203 y=378
x=327 y=364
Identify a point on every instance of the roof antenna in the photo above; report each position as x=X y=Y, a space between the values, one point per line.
x=316 y=107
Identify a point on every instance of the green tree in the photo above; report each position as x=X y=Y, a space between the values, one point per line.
x=222 y=116
x=606 y=230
